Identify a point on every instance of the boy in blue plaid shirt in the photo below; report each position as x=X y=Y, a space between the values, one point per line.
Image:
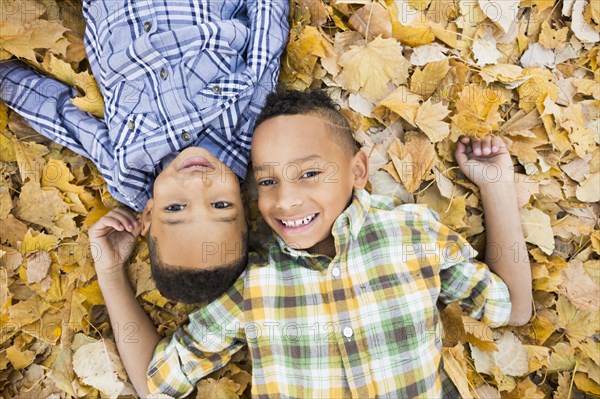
x=183 y=82
x=344 y=304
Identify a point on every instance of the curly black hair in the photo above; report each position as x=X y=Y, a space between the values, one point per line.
x=315 y=102
x=194 y=285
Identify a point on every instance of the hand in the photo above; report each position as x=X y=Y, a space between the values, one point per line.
x=484 y=161
x=112 y=240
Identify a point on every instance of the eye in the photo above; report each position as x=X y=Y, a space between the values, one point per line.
x=174 y=208
x=312 y=173
x=266 y=182
x=221 y=205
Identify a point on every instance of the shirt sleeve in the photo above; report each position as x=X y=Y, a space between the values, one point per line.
x=214 y=334
x=46 y=105
x=464 y=279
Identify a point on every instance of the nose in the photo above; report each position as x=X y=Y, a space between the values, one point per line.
x=287 y=196
x=195 y=179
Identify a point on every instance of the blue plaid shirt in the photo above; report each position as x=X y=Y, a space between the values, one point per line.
x=173 y=73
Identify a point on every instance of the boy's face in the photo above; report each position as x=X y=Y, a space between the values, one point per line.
x=196 y=214
x=305 y=179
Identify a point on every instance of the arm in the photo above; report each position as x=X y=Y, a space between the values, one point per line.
x=46 y=105
x=112 y=239
x=487 y=163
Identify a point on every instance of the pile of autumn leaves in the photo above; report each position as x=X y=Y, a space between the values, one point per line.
x=411 y=76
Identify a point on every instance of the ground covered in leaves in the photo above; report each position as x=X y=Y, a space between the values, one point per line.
x=411 y=76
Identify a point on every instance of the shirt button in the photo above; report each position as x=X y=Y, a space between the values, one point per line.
x=147 y=26
x=164 y=74
x=186 y=136
x=131 y=125
x=335 y=272
x=216 y=89
x=348 y=332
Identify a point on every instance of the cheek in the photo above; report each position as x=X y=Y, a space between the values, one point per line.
x=264 y=206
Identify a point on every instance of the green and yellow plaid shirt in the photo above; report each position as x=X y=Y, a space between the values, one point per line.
x=363 y=324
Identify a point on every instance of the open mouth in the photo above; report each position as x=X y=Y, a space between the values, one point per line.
x=297 y=225
x=196 y=163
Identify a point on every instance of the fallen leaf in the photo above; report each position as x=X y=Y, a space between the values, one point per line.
x=369 y=68
x=537 y=229
x=20 y=39
x=577 y=323
x=581 y=291
x=223 y=388
x=550 y=38
x=40 y=206
x=427 y=54
x=455 y=365
x=19 y=359
x=402 y=102
x=562 y=358
x=425 y=82
x=511 y=357
x=589 y=190
x=38 y=263
x=430 y=118
x=29 y=158
x=99 y=365
x=412 y=160
x=538 y=56
x=372 y=20
x=580 y=27
x=502 y=12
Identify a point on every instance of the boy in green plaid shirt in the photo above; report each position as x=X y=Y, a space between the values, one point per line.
x=344 y=303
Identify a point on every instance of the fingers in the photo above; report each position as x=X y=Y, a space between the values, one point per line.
x=478 y=147
x=126 y=217
x=120 y=219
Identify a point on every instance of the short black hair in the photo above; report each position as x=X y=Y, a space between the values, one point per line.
x=315 y=102
x=187 y=285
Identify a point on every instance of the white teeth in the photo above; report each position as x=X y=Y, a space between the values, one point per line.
x=299 y=222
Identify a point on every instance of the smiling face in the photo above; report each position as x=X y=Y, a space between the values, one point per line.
x=305 y=179
x=196 y=216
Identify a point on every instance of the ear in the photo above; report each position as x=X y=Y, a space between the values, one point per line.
x=360 y=169
x=147 y=217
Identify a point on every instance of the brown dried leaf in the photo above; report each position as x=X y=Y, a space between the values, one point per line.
x=223 y=388
x=40 y=206
x=38 y=264
x=99 y=365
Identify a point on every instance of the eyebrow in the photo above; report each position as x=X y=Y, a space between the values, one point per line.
x=267 y=165
x=223 y=219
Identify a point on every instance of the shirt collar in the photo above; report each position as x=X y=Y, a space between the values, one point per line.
x=352 y=220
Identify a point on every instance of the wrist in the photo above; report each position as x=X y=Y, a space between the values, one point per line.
x=496 y=187
x=109 y=273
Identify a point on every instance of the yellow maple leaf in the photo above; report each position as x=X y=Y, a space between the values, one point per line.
x=369 y=68
x=477 y=112
x=29 y=158
x=538 y=86
x=412 y=160
x=430 y=118
x=410 y=26
x=424 y=82
x=404 y=103
x=577 y=323
x=20 y=39
x=92 y=101
x=551 y=38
